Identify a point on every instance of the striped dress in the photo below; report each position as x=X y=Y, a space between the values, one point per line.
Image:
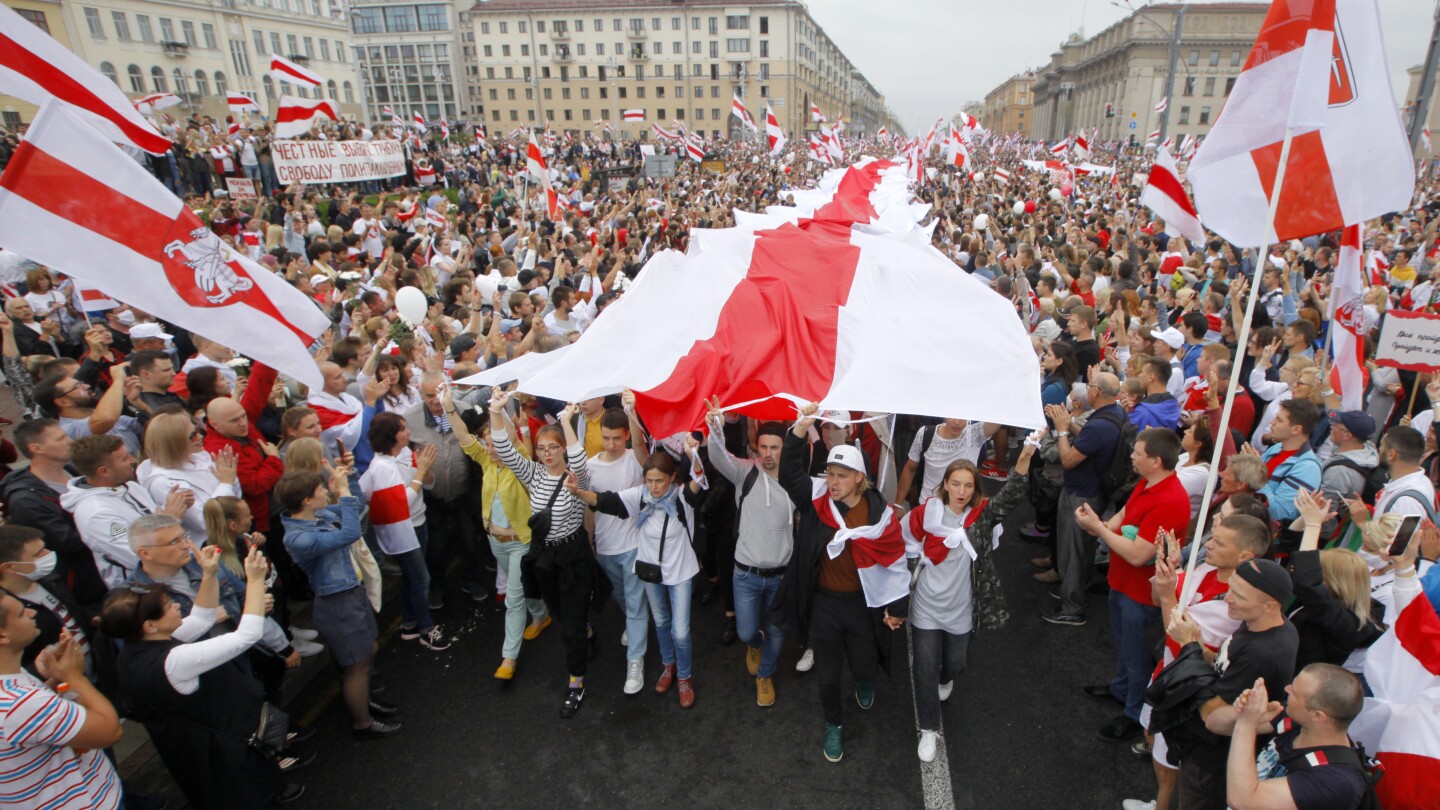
x=568 y=515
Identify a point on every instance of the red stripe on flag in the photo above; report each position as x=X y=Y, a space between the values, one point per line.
x=66 y=88
x=59 y=188
x=1168 y=183
x=1411 y=780
x=1309 y=205
x=389 y=505
x=1286 y=26
x=1418 y=631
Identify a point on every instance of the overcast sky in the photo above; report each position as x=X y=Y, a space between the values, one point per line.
x=929 y=57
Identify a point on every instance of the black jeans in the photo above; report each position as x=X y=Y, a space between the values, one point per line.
x=452 y=529
x=563 y=575
x=841 y=629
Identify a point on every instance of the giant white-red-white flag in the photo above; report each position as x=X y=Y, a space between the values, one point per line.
x=35 y=68
x=286 y=71
x=295 y=116
x=773 y=133
x=1400 y=725
x=1165 y=195
x=800 y=303
x=1347 y=308
x=737 y=108
x=1318 y=70
x=68 y=196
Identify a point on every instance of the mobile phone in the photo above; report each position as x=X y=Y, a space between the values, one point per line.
x=1403 y=535
x=339 y=449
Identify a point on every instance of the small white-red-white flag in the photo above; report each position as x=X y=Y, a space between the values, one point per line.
x=1165 y=195
x=1059 y=149
x=1001 y=174
x=35 y=68
x=632 y=116
x=695 y=152
x=89 y=299
x=773 y=133
x=1425 y=138
x=663 y=133
x=1153 y=137
x=68 y=196
x=737 y=108
x=295 y=116
x=419 y=121
x=815 y=115
x=1347 y=309
x=1162 y=104
x=287 y=71
x=155 y=102
x=535 y=162
x=882 y=133
x=1082 y=147
x=241 y=103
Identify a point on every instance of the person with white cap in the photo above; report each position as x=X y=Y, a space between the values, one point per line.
x=1168 y=342
x=849 y=608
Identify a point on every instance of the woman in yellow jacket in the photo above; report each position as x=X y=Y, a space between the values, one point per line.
x=505 y=506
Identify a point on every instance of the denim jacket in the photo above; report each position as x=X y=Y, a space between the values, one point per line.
x=232 y=588
x=322 y=546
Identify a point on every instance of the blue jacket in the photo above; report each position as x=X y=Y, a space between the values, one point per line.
x=1190 y=359
x=1301 y=470
x=232 y=589
x=322 y=546
x=1156 y=410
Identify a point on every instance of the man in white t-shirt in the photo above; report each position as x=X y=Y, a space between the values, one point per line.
x=371 y=231
x=950 y=441
x=614 y=469
x=564 y=318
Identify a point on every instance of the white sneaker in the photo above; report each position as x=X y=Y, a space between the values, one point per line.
x=307 y=648
x=927 y=746
x=635 y=676
x=625 y=639
x=806 y=661
x=304 y=634
x=1136 y=804
x=945 y=690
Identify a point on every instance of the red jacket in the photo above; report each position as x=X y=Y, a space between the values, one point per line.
x=258 y=473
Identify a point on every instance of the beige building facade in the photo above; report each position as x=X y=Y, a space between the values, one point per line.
x=1008 y=108
x=568 y=64
x=1126 y=65
x=202 y=49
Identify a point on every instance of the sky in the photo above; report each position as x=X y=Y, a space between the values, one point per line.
x=930 y=57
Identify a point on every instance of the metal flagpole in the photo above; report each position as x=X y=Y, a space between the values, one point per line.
x=1241 y=341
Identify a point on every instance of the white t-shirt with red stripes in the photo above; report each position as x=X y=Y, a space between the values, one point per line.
x=37 y=768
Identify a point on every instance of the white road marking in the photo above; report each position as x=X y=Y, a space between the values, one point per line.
x=934 y=775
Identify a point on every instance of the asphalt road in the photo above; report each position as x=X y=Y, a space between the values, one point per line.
x=1019 y=733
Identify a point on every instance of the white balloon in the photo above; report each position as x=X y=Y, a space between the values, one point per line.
x=410 y=303
x=1055 y=194
x=978 y=176
x=485 y=288
x=982 y=221
x=1019 y=208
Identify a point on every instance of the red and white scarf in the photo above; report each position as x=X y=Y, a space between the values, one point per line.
x=925 y=532
x=341 y=418
x=878 y=550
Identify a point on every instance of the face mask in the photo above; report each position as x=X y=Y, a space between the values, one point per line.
x=126 y=318
x=44 y=567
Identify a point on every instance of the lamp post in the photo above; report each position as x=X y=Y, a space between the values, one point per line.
x=1174 y=33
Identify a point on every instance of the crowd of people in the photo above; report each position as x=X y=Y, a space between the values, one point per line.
x=178 y=505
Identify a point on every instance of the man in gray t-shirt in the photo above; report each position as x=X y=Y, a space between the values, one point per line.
x=81 y=412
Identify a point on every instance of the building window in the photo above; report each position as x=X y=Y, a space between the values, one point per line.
x=488 y=53
x=182 y=82
x=1210 y=85
x=549 y=94
x=764 y=49
x=142 y=23
x=1235 y=58
x=565 y=93
x=1214 y=59
x=714 y=26
x=1189 y=86
x=510 y=94
x=400 y=19
x=509 y=73
x=764 y=25
x=484 y=28
x=157 y=80
x=239 y=58
x=137 y=79
x=524 y=49
x=522 y=27
x=585 y=94
x=220 y=84
x=309 y=47
x=92 y=21
x=490 y=73
x=1204 y=115
x=202 y=84
x=1229 y=85
x=495 y=115
x=208 y=32
x=737 y=45
x=714 y=49
x=504 y=50
x=654 y=23
x=737 y=22
x=122 y=26
x=622 y=92
x=545 y=50
x=167 y=29
x=699 y=114
x=640 y=92
x=514 y=115
x=540 y=26
x=715 y=93
x=765 y=71
x=36 y=18
x=275 y=43
x=294 y=46
x=764 y=92
x=1184 y=115
x=325 y=50
x=695 y=47
x=494 y=94
x=108 y=71
x=1194 y=59
x=187 y=33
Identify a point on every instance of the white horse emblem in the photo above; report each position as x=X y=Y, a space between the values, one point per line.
x=205 y=254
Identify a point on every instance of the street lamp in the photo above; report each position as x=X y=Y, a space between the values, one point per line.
x=612 y=62
x=1174 y=33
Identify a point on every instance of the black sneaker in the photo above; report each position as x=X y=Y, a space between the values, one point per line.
x=290 y=761
x=573 y=699
x=727 y=632
x=434 y=639
x=376 y=730
x=409 y=633
x=1141 y=750
x=288 y=793
x=382 y=709
x=477 y=593
x=1056 y=617
x=1101 y=691
x=1120 y=729
x=437 y=599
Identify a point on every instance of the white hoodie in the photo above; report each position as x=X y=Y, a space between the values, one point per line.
x=103 y=515
x=197 y=475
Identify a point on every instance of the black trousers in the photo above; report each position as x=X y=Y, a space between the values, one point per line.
x=841 y=629
x=564 y=577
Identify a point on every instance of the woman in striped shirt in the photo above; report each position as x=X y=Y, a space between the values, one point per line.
x=560 y=566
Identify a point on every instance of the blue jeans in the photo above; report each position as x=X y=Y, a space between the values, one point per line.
x=670 y=604
x=629 y=593
x=753 y=595
x=508 y=557
x=1130 y=624
x=415 y=585
x=268 y=179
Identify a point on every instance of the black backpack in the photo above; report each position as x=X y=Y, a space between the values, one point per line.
x=1375 y=477
x=1118 y=478
x=1342 y=756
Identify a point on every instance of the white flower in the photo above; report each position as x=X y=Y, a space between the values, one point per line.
x=238 y=362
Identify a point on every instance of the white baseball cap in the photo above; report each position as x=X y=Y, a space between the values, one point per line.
x=149 y=330
x=846 y=455
x=1170 y=336
x=835 y=417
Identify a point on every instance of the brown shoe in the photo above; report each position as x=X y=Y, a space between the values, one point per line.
x=764 y=692
x=1049 y=577
x=1043 y=562
x=752 y=660
x=667 y=678
x=687 y=693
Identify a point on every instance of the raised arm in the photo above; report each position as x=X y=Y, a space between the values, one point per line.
x=794 y=477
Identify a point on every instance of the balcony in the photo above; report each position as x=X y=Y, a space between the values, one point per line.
x=172 y=48
x=637 y=53
x=298 y=58
x=562 y=53
x=562 y=34
x=635 y=33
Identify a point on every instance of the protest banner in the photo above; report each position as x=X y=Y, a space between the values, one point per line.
x=241 y=188
x=1410 y=341
x=337 y=161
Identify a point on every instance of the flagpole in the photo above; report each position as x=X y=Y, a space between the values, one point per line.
x=1242 y=340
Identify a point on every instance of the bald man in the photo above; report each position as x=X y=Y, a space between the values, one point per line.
x=232 y=424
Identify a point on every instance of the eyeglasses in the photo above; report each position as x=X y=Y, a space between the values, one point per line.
x=181 y=540
x=72 y=389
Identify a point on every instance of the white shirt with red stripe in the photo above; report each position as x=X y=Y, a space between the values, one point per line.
x=38 y=769
x=396 y=508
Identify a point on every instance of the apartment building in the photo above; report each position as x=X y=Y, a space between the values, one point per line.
x=1008 y=108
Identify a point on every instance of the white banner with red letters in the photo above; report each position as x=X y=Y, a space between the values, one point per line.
x=337 y=161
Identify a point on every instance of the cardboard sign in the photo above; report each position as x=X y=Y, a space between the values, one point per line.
x=1410 y=341
x=241 y=188
x=337 y=161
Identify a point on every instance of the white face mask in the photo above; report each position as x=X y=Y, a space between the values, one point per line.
x=126 y=318
x=44 y=567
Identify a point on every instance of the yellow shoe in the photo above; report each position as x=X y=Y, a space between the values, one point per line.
x=533 y=631
x=764 y=692
x=752 y=660
x=504 y=673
